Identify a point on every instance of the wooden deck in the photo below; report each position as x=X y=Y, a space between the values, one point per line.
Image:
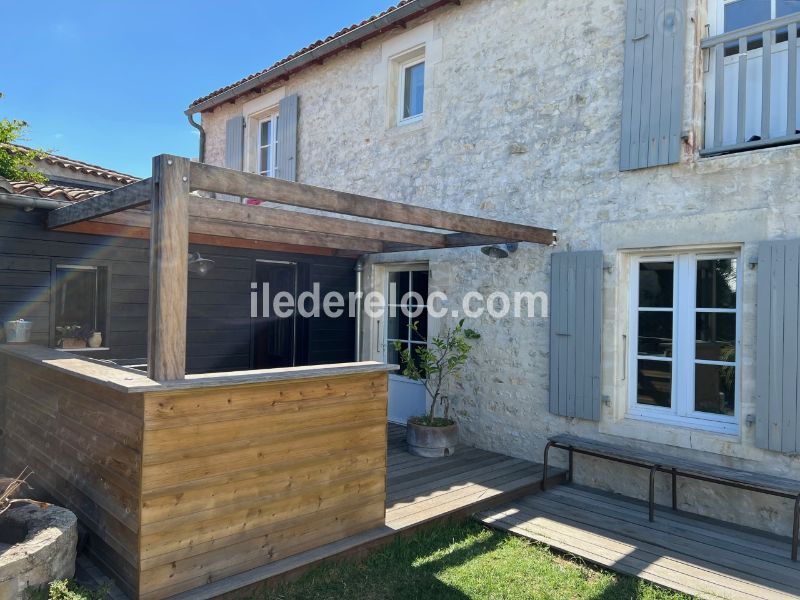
x=695 y=555
x=419 y=492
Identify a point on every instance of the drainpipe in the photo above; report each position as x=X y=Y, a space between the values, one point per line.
x=359 y=269
x=202 y=152
x=30 y=203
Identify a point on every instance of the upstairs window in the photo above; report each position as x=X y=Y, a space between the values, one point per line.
x=412 y=90
x=406 y=90
x=268 y=145
x=80 y=306
x=751 y=99
x=737 y=14
x=743 y=13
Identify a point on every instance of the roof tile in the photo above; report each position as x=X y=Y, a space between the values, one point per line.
x=78 y=166
x=47 y=191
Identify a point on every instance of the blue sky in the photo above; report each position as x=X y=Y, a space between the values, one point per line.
x=107 y=81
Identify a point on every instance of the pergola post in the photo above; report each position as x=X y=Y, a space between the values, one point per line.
x=169 y=252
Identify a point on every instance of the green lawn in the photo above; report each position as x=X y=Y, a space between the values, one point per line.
x=460 y=561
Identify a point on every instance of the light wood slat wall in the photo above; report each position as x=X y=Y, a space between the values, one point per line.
x=235 y=478
x=181 y=488
x=83 y=442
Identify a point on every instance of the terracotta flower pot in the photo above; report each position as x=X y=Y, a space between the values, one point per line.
x=431 y=442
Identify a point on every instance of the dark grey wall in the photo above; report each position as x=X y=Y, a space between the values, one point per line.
x=218 y=337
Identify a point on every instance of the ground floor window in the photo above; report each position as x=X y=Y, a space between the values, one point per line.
x=684 y=339
x=79 y=306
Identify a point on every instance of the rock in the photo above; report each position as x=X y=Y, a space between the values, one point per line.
x=47 y=553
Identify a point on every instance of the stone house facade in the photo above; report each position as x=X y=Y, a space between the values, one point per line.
x=523 y=120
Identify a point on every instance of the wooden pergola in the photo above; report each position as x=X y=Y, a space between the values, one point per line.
x=177 y=217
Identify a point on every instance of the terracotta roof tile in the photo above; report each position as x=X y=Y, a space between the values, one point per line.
x=79 y=166
x=302 y=51
x=47 y=190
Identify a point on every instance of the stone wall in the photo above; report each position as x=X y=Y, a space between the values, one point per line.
x=522 y=122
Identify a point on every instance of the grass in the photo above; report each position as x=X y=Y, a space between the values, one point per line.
x=67 y=589
x=461 y=561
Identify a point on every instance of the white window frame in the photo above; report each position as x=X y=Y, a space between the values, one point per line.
x=270 y=169
x=384 y=327
x=682 y=413
x=401 y=91
x=717 y=16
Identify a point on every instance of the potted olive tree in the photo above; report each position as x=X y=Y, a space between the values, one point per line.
x=436 y=433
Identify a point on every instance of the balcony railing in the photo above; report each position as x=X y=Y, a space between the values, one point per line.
x=751 y=87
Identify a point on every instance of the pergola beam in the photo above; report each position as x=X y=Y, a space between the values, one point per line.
x=238 y=183
x=113 y=201
x=231 y=221
x=289 y=219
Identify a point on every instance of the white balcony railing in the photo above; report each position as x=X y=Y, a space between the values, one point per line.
x=751 y=87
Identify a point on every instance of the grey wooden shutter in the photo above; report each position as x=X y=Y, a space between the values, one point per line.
x=234 y=143
x=777 y=343
x=653 y=86
x=576 y=290
x=286 y=159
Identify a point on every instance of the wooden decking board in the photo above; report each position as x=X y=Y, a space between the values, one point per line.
x=725 y=543
x=416 y=464
x=694 y=555
x=446 y=484
x=766 y=542
x=652 y=560
x=431 y=473
x=678 y=549
x=419 y=491
x=619 y=561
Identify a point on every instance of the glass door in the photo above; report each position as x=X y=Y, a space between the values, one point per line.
x=406 y=294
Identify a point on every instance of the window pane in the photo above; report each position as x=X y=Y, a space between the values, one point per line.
x=787 y=7
x=264 y=166
x=415 y=349
x=716 y=283
x=80 y=303
x=414 y=92
x=654 y=383
x=400 y=281
x=742 y=13
x=392 y=355
x=266 y=132
x=655 y=284
x=397 y=325
x=714 y=389
x=421 y=335
x=419 y=283
x=655 y=333
x=716 y=337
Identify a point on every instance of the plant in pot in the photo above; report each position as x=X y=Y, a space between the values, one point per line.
x=71 y=337
x=434 y=365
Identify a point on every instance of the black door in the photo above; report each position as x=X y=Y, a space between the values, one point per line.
x=274 y=337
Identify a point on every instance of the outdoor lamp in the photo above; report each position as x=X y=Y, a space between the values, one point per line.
x=199 y=265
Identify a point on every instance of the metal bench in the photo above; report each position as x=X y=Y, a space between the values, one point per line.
x=677 y=467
